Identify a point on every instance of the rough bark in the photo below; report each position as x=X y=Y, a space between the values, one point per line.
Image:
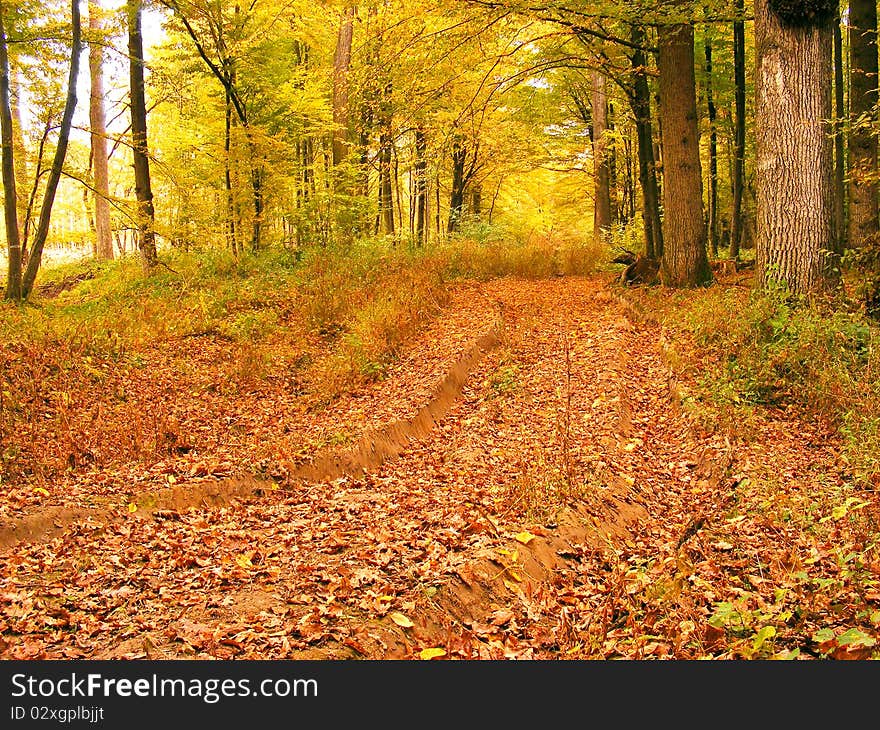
x=863 y=200
x=601 y=169
x=10 y=198
x=98 y=136
x=739 y=130
x=684 y=262
x=794 y=187
x=146 y=216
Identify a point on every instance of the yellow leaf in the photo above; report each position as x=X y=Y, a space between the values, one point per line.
x=513 y=574
x=385 y=599
x=40 y=490
x=432 y=653
x=244 y=561
x=511 y=585
x=132 y=507
x=401 y=620
x=525 y=537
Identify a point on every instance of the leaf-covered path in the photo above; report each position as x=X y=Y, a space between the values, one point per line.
x=565 y=506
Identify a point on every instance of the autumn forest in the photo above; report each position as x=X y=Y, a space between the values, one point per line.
x=439 y=329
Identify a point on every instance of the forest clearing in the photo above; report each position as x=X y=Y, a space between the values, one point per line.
x=451 y=330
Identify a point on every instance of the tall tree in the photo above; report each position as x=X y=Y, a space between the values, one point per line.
x=640 y=101
x=601 y=168
x=839 y=142
x=341 y=64
x=684 y=262
x=10 y=198
x=146 y=216
x=794 y=189
x=712 y=202
x=421 y=186
x=739 y=129
x=36 y=253
x=863 y=198
x=98 y=134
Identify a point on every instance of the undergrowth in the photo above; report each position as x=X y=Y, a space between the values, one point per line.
x=323 y=319
x=764 y=349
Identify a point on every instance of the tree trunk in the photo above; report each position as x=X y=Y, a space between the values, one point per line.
x=341 y=63
x=456 y=193
x=795 y=194
x=839 y=153
x=601 y=170
x=36 y=253
x=21 y=168
x=863 y=220
x=146 y=216
x=684 y=262
x=10 y=199
x=421 y=187
x=386 y=199
x=641 y=107
x=739 y=130
x=98 y=136
x=231 y=235
x=712 y=227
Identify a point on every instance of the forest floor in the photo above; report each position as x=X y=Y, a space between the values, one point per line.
x=524 y=482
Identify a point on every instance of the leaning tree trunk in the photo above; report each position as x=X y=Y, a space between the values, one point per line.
x=143 y=191
x=684 y=262
x=863 y=200
x=794 y=188
x=98 y=135
x=601 y=168
x=36 y=254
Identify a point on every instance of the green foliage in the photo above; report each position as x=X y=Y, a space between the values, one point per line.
x=767 y=349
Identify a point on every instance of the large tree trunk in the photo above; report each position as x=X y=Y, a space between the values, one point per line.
x=863 y=221
x=10 y=198
x=341 y=63
x=712 y=227
x=97 y=124
x=601 y=169
x=739 y=130
x=684 y=262
x=641 y=107
x=42 y=232
x=795 y=196
x=146 y=217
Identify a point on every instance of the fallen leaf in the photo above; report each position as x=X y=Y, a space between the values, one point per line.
x=525 y=537
x=400 y=619
x=432 y=653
